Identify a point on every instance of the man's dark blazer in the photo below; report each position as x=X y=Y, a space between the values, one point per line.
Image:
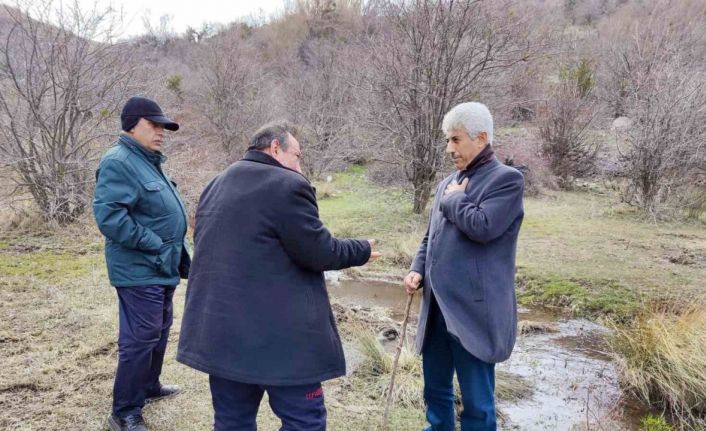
x=257 y=310
x=467 y=260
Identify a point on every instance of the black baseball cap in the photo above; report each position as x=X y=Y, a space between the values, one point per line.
x=141 y=107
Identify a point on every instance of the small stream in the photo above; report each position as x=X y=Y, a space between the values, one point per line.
x=574 y=381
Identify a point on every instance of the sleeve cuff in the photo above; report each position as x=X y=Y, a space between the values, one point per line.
x=367 y=251
x=417 y=267
x=449 y=202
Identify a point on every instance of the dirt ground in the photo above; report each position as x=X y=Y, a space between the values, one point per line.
x=58 y=326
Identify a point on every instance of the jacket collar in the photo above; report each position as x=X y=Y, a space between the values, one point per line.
x=264 y=158
x=156 y=158
x=484 y=160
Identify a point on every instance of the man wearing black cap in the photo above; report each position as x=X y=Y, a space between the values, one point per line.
x=140 y=213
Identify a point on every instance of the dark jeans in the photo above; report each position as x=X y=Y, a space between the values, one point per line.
x=442 y=355
x=301 y=408
x=145 y=318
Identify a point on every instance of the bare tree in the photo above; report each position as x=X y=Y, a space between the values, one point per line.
x=231 y=94
x=660 y=70
x=665 y=148
x=564 y=124
x=427 y=57
x=160 y=34
x=60 y=86
x=320 y=96
x=321 y=102
x=585 y=12
x=640 y=38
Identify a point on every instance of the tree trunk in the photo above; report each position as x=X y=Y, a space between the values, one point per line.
x=422 y=192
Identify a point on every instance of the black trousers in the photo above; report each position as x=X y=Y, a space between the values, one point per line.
x=301 y=408
x=145 y=318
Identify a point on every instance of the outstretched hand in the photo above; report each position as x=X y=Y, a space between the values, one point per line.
x=374 y=255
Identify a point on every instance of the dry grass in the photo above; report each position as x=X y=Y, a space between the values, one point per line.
x=526 y=327
x=376 y=369
x=662 y=359
x=592 y=238
x=58 y=326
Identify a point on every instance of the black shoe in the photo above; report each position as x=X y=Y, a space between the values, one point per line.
x=128 y=423
x=165 y=391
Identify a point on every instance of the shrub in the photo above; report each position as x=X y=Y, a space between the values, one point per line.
x=563 y=126
x=521 y=150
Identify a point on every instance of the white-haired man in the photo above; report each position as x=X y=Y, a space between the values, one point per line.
x=466 y=266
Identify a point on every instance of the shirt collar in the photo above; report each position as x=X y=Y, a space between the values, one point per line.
x=262 y=157
x=154 y=157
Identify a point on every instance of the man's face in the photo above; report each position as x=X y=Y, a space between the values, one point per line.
x=462 y=148
x=289 y=158
x=148 y=134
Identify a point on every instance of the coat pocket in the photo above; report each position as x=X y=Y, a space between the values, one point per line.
x=157 y=200
x=478 y=293
x=166 y=259
x=311 y=308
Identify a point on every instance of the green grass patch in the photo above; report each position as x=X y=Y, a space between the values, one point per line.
x=586 y=298
x=353 y=207
x=48 y=265
x=584 y=236
x=53 y=256
x=655 y=423
x=579 y=250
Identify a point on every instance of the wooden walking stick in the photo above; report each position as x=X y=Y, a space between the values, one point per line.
x=403 y=335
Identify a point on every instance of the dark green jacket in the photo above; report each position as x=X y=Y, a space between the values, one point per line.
x=142 y=216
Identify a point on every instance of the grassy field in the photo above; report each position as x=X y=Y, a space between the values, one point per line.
x=58 y=315
x=583 y=251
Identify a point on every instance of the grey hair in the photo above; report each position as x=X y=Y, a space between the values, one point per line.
x=473 y=117
x=279 y=130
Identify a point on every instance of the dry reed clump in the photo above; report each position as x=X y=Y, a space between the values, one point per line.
x=376 y=368
x=662 y=361
x=527 y=327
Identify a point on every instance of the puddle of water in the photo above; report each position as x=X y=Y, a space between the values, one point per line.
x=574 y=381
x=571 y=388
x=374 y=294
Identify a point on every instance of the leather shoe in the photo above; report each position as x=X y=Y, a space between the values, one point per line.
x=128 y=423
x=165 y=391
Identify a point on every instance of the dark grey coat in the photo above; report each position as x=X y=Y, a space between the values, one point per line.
x=467 y=259
x=257 y=310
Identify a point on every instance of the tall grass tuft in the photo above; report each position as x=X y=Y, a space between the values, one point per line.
x=662 y=360
x=376 y=370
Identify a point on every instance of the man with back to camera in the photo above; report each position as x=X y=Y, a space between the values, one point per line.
x=257 y=316
x=466 y=266
x=140 y=213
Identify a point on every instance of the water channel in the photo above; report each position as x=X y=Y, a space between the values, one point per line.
x=574 y=381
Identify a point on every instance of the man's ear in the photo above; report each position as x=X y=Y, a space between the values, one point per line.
x=483 y=138
x=274 y=147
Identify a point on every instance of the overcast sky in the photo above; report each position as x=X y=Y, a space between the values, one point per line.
x=182 y=13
